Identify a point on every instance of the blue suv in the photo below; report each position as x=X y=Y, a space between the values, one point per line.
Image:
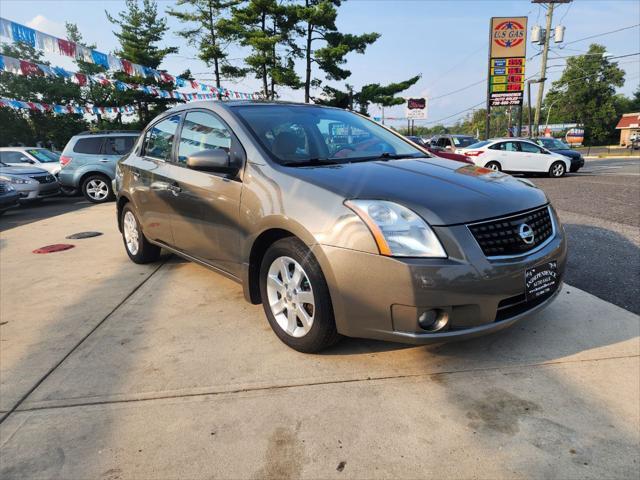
x=89 y=162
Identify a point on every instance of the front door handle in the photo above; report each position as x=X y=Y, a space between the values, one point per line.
x=175 y=189
x=104 y=160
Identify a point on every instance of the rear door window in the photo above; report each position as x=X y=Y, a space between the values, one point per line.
x=159 y=139
x=529 y=147
x=118 y=145
x=91 y=145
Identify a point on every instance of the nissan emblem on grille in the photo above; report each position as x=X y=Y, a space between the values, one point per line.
x=526 y=234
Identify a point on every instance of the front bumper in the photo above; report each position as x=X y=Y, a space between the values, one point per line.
x=381 y=297
x=36 y=192
x=576 y=164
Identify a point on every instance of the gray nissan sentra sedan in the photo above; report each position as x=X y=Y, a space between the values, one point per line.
x=337 y=225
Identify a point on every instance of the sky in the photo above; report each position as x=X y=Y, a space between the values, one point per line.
x=444 y=41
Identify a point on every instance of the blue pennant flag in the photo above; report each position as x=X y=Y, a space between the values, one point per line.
x=23 y=34
x=100 y=58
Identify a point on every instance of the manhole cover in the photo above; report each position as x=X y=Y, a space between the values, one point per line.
x=58 y=247
x=80 y=235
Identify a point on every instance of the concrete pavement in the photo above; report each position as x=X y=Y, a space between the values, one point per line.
x=163 y=371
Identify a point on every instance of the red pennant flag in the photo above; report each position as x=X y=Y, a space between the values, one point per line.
x=67 y=48
x=29 y=68
x=127 y=67
x=82 y=79
x=32 y=106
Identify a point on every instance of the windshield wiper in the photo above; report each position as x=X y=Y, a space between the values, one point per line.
x=386 y=156
x=312 y=162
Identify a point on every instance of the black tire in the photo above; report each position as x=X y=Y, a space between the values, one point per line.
x=146 y=251
x=322 y=332
x=494 y=166
x=557 y=169
x=97 y=180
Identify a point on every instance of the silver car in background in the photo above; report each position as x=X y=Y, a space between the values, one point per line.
x=32 y=184
x=31 y=156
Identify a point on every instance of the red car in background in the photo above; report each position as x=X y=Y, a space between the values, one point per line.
x=439 y=153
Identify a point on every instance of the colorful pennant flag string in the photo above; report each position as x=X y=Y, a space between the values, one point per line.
x=63 y=109
x=24 y=67
x=50 y=44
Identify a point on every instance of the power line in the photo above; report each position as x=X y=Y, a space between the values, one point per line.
x=458 y=90
x=603 y=34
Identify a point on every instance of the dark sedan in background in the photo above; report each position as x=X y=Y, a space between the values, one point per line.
x=558 y=146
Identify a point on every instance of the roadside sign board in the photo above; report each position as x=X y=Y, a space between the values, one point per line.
x=507 y=61
x=417 y=108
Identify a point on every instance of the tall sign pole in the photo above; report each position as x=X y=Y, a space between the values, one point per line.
x=543 y=67
x=507 y=59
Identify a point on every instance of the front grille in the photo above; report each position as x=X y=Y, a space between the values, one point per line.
x=3 y=188
x=502 y=236
x=512 y=306
x=44 y=178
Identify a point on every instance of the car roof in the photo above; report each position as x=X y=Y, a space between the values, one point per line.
x=230 y=104
x=104 y=133
x=22 y=148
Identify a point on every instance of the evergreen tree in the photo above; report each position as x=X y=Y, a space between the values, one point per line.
x=319 y=20
x=383 y=95
x=268 y=28
x=206 y=34
x=141 y=29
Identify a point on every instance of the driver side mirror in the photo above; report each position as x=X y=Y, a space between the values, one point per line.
x=215 y=161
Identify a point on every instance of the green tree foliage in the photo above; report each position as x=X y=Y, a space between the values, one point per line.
x=206 y=33
x=141 y=29
x=319 y=20
x=383 y=95
x=586 y=93
x=269 y=29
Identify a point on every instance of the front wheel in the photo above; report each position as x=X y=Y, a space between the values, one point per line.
x=138 y=247
x=296 y=298
x=495 y=166
x=557 y=170
x=97 y=189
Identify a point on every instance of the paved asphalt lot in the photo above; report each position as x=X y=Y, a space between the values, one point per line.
x=114 y=370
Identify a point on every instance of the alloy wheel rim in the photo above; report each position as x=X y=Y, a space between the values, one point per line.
x=97 y=189
x=558 y=170
x=130 y=231
x=493 y=166
x=290 y=296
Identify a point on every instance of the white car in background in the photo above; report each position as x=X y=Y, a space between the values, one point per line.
x=516 y=155
x=31 y=156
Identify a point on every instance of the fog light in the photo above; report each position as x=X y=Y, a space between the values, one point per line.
x=433 y=320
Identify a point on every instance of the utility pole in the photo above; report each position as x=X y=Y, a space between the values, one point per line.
x=543 y=67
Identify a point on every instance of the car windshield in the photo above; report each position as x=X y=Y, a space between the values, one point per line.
x=309 y=135
x=43 y=155
x=479 y=144
x=463 y=142
x=553 y=143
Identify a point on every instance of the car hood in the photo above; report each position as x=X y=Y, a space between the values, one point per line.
x=443 y=192
x=22 y=171
x=566 y=153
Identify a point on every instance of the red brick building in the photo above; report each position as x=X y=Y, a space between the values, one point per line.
x=628 y=125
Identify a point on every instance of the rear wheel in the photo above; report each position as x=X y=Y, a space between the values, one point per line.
x=493 y=166
x=97 y=188
x=296 y=298
x=557 y=170
x=138 y=247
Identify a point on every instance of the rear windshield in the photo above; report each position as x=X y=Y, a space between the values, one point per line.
x=118 y=145
x=479 y=144
x=92 y=145
x=298 y=135
x=464 y=142
x=44 y=156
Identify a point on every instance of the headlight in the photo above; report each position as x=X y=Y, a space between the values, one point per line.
x=10 y=188
x=398 y=231
x=17 y=180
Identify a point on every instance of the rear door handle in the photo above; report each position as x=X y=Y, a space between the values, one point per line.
x=104 y=160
